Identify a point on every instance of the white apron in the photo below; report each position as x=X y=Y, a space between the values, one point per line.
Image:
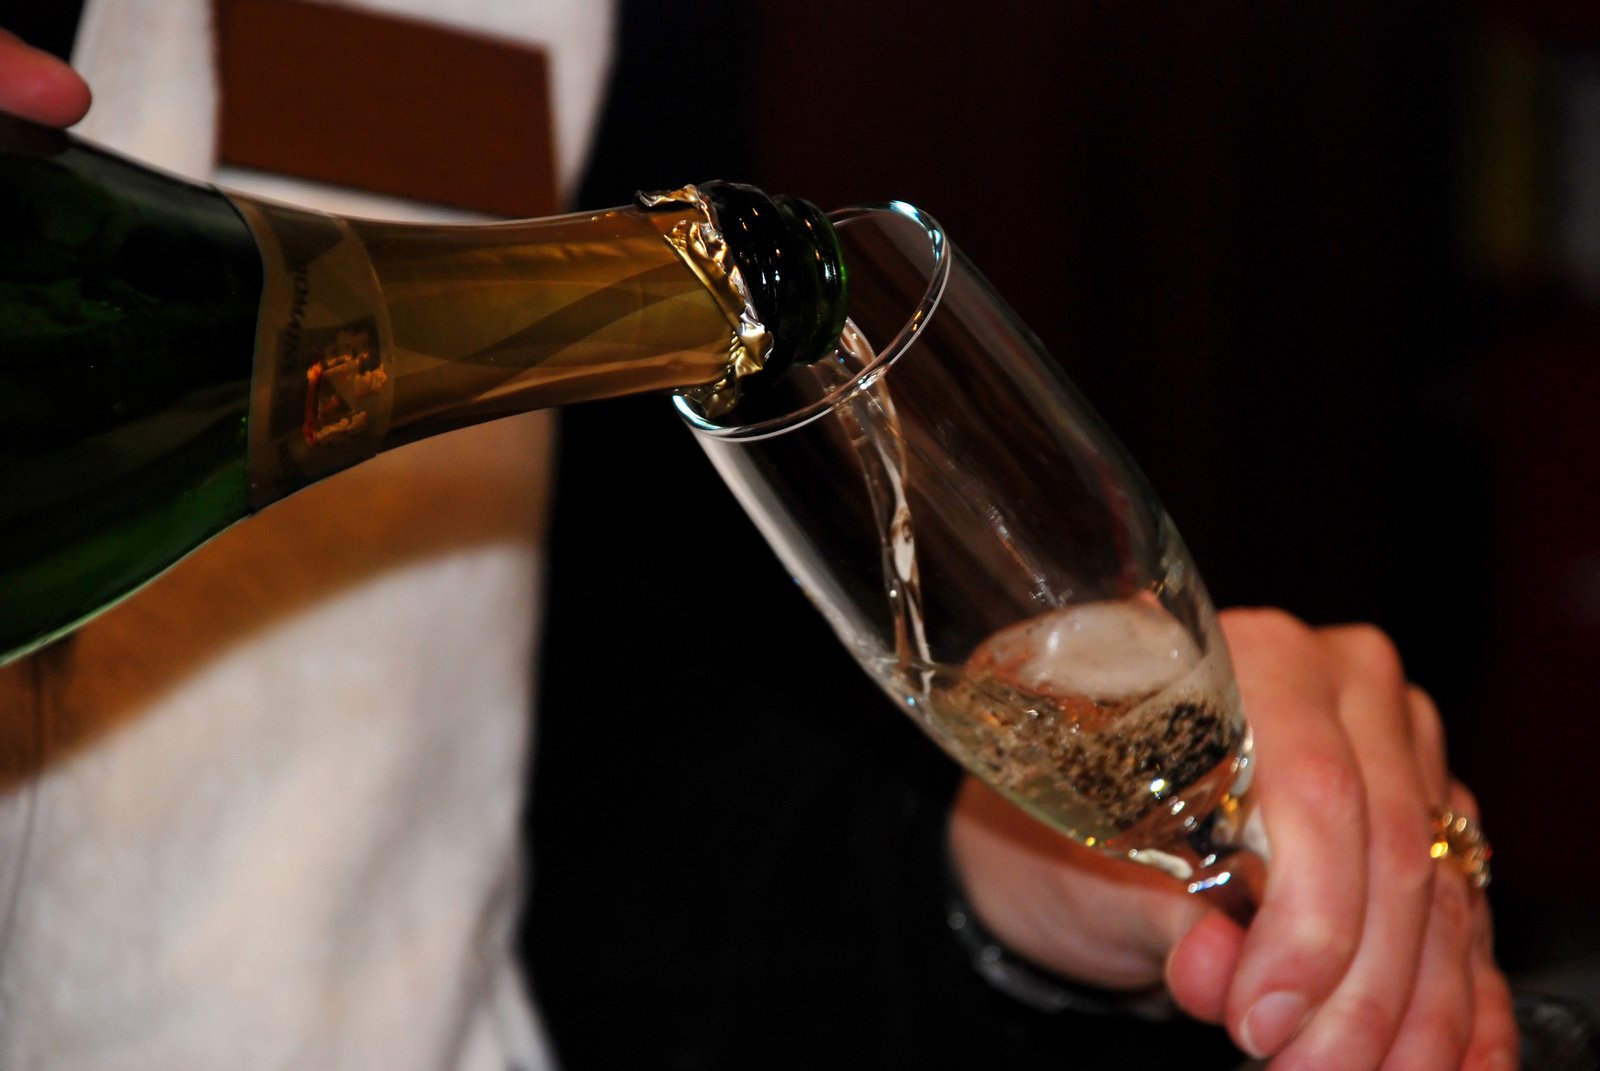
x=264 y=814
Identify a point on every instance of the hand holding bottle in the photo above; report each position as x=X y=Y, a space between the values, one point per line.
x=1364 y=953
x=35 y=85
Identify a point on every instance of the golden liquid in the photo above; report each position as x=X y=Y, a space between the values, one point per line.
x=504 y=318
x=374 y=334
x=1108 y=721
x=1132 y=764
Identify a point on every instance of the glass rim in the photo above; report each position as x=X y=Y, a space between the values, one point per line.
x=885 y=356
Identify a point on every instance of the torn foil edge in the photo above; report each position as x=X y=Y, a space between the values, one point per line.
x=700 y=245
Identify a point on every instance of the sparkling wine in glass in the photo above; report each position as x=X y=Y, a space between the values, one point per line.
x=991 y=556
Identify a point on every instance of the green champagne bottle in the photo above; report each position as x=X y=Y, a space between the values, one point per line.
x=174 y=357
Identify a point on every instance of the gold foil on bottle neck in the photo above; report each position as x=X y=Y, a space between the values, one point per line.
x=700 y=244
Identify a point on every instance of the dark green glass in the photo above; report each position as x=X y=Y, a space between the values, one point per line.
x=164 y=371
x=127 y=327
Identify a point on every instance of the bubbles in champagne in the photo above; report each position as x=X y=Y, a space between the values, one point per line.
x=1111 y=720
x=1106 y=719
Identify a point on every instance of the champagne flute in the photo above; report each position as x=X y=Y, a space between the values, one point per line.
x=990 y=555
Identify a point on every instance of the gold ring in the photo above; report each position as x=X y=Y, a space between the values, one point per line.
x=1460 y=839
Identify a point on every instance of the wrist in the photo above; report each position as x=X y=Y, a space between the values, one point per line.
x=1031 y=984
x=1070 y=910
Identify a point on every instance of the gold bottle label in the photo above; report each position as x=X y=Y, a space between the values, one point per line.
x=321 y=388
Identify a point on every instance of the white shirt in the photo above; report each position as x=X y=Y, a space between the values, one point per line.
x=264 y=814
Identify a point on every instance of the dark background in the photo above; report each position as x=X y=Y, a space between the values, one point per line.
x=1306 y=262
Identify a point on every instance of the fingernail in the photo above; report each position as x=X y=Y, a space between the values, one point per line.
x=1269 y=1025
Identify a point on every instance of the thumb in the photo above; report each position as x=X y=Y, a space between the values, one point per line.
x=37 y=86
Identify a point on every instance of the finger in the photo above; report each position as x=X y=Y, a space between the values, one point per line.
x=1427 y=730
x=1072 y=910
x=1202 y=965
x=1310 y=792
x=1462 y=801
x=1494 y=1027
x=1495 y=1038
x=37 y=86
x=1439 y=1024
x=1360 y=1019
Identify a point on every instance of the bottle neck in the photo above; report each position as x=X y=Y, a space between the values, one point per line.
x=492 y=320
x=374 y=334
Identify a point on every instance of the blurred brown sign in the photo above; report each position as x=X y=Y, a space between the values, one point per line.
x=391 y=105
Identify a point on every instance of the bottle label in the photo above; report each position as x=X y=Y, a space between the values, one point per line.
x=323 y=383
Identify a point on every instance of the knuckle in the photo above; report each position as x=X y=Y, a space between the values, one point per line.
x=1424 y=711
x=1269 y=623
x=1453 y=906
x=1329 y=783
x=1400 y=857
x=1323 y=944
x=1427 y=727
x=1442 y=1035
x=1370 y=648
x=1367 y=1021
x=1463 y=800
x=1268 y=617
